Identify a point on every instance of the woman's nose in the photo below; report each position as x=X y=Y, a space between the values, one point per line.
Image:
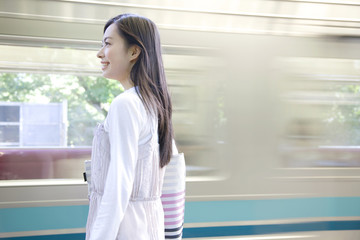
x=100 y=53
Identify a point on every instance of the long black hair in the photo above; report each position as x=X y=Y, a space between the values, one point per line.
x=148 y=74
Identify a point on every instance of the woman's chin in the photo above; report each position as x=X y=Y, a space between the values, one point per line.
x=110 y=77
x=106 y=75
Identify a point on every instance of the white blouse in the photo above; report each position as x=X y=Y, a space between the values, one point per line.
x=126 y=176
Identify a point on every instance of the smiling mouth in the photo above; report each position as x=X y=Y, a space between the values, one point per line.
x=104 y=65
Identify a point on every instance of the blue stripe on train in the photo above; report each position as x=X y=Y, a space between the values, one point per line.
x=271 y=209
x=42 y=218
x=70 y=217
x=75 y=236
x=227 y=231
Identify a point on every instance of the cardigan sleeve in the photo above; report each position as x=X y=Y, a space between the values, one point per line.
x=123 y=124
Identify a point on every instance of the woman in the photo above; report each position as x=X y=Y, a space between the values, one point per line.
x=134 y=144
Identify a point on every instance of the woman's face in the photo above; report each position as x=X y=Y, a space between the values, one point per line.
x=115 y=56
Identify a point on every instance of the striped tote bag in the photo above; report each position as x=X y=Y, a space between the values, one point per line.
x=173 y=196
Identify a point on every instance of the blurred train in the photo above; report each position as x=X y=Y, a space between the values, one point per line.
x=266 y=110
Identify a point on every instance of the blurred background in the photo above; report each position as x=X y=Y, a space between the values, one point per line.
x=266 y=107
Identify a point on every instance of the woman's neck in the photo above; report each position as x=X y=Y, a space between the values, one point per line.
x=127 y=84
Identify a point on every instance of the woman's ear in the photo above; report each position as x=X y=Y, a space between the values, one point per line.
x=134 y=52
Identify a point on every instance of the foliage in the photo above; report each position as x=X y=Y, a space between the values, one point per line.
x=18 y=87
x=343 y=119
x=88 y=98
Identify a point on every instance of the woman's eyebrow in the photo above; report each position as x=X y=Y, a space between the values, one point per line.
x=107 y=38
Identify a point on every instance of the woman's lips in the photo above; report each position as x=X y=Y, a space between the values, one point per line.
x=104 y=65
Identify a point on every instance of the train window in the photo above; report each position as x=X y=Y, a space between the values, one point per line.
x=9 y=125
x=50 y=101
x=9 y=113
x=321 y=111
x=52 y=98
x=52 y=126
x=30 y=124
x=9 y=135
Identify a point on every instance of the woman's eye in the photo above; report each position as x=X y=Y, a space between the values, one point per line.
x=105 y=44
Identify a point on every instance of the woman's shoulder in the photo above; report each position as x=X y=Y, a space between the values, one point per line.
x=126 y=107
